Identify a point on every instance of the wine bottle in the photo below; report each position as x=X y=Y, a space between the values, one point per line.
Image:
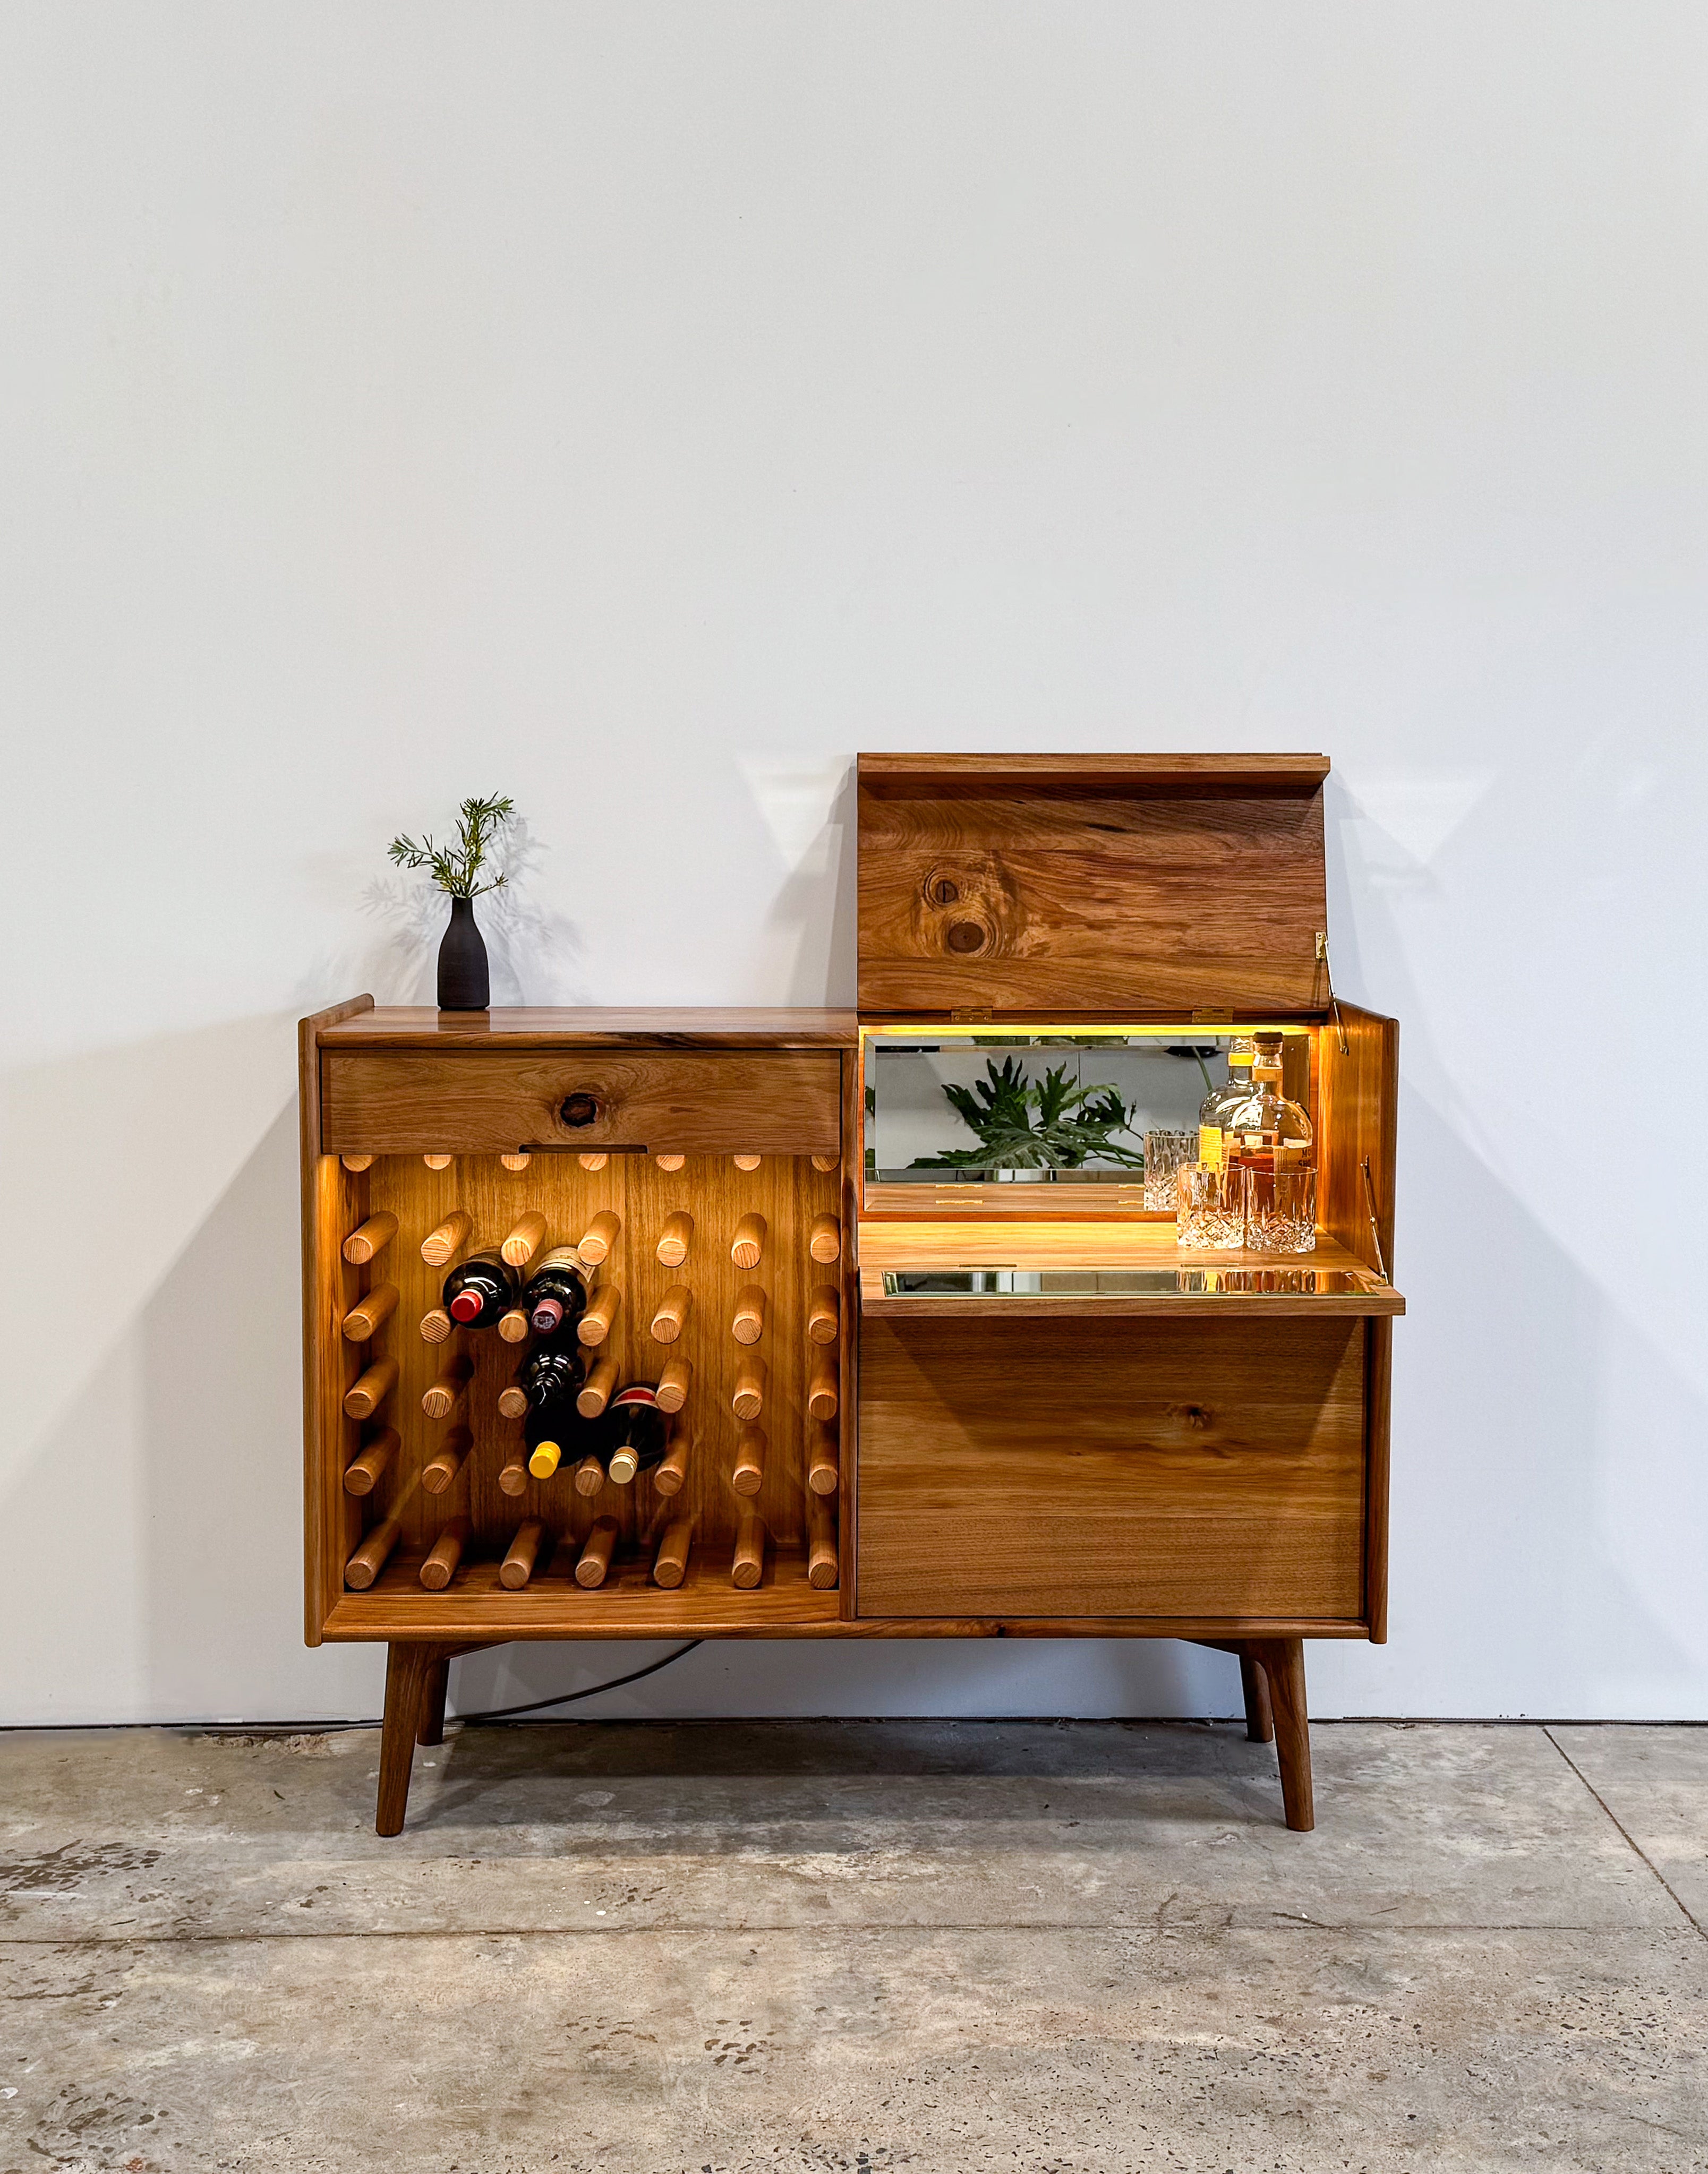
x=556 y=1296
x=635 y=1432
x=552 y=1370
x=479 y=1291
x=550 y=1377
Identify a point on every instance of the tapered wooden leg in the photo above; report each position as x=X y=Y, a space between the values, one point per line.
x=430 y=1728
x=1282 y=1661
x=406 y=1670
x=1260 y=1721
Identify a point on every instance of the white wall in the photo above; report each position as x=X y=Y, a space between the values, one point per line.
x=640 y=408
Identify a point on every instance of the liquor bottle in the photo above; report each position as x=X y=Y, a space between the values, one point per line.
x=1267 y=1131
x=479 y=1291
x=1214 y=1108
x=556 y=1296
x=635 y=1432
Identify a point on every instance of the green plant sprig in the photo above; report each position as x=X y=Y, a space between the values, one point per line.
x=1073 y=1123
x=455 y=867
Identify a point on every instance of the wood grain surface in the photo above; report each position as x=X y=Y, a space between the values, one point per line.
x=1190 y=1467
x=781 y=1102
x=1057 y=890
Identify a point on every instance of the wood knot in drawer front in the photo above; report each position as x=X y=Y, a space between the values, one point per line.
x=578 y=1110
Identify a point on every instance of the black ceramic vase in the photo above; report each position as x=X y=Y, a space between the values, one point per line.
x=464 y=984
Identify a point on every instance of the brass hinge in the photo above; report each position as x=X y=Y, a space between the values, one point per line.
x=1328 y=972
x=971 y=1014
x=1212 y=1015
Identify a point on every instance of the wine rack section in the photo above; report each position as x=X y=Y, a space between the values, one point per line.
x=710 y=1274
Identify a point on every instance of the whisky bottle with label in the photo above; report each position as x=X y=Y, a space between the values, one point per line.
x=1267 y=1131
x=1214 y=1110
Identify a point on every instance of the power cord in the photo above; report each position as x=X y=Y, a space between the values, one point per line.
x=568 y=1698
x=467 y=1720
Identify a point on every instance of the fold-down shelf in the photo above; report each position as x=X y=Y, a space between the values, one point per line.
x=1015 y=1271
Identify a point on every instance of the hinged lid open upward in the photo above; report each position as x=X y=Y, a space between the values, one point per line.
x=1064 y=886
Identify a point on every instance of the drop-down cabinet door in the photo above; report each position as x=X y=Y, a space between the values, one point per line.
x=1193 y=1469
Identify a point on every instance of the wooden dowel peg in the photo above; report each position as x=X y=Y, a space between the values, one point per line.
x=670 y=1564
x=671 y=1468
x=595 y=1324
x=515 y=1161
x=590 y=1477
x=369 y=1559
x=748 y=1401
x=371 y=1389
x=512 y=1402
x=442 y=1468
x=523 y=1242
x=449 y=1386
x=598 y=1238
x=824 y=1242
x=435 y=1325
x=596 y=1556
x=370 y=1312
x=598 y=1389
x=749 y=1474
x=675 y=1239
x=749 y=1565
x=370 y=1238
x=748 y=1322
x=822 y=1389
x=513 y=1325
x=672 y=1315
x=827 y=1162
x=366 y=1467
x=451 y=1237
x=824 y=1314
x=512 y=1478
x=518 y=1564
x=592 y=1161
x=438 y=1162
x=670 y=1161
x=824 y=1466
x=441 y=1566
x=355 y=1164
x=749 y=1244
x=747 y=1162
x=675 y=1379
x=821 y=1544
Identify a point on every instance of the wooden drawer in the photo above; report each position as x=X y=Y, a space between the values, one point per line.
x=1177 y=1469
x=781 y=1102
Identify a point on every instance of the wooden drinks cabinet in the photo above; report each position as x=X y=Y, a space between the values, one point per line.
x=930 y=1401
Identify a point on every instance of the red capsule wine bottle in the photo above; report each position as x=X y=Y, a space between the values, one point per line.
x=480 y=1291
x=635 y=1432
x=556 y=1296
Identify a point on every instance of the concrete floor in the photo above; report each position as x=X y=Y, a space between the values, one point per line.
x=689 y=1949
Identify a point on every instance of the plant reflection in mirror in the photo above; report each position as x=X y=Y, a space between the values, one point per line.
x=1025 y=1124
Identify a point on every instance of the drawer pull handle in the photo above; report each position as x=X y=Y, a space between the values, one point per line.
x=578 y=1109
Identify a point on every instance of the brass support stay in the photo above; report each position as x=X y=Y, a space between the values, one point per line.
x=1323 y=960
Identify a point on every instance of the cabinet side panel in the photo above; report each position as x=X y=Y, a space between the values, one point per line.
x=1378 y=1364
x=330 y=1200
x=1358 y=1096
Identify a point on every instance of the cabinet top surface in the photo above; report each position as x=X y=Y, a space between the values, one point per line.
x=523 y=1026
